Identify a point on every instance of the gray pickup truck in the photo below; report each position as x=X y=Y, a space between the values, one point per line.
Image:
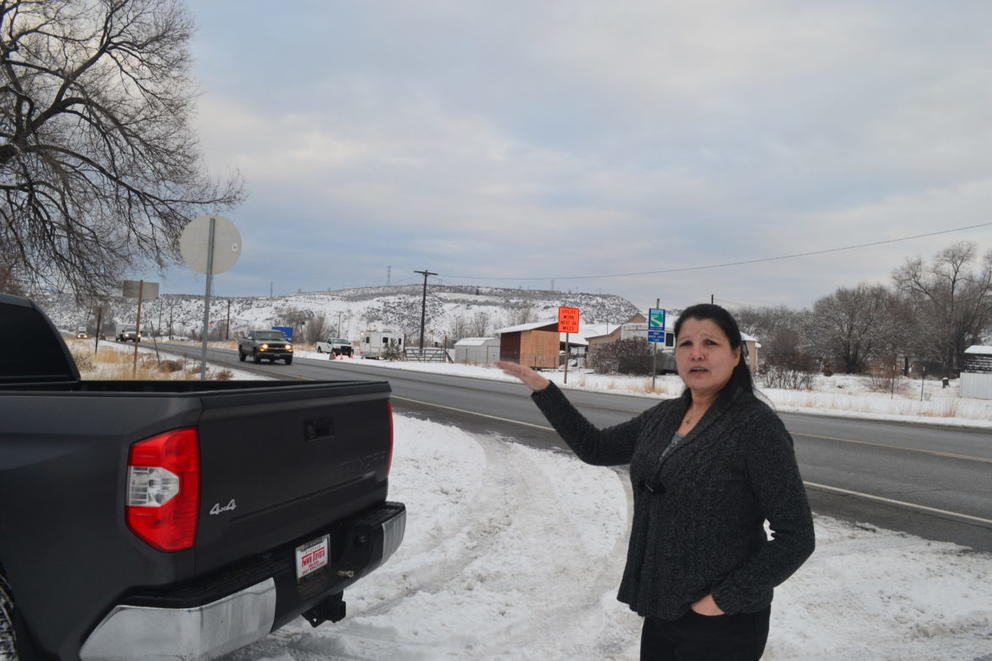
x=269 y=345
x=179 y=519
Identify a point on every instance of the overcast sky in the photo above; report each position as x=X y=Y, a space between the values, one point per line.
x=491 y=142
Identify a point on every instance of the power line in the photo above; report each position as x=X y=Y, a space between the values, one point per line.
x=725 y=264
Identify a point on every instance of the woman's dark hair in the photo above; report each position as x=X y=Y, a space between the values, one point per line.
x=741 y=376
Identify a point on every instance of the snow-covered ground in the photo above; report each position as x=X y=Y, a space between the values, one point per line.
x=838 y=395
x=516 y=553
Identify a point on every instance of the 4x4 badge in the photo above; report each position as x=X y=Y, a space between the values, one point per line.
x=217 y=509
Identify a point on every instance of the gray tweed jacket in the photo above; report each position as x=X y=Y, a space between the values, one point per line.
x=699 y=512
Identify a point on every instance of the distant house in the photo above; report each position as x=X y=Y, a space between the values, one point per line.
x=477 y=350
x=637 y=326
x=618 y=333
x=976 y=372
x=752 y=345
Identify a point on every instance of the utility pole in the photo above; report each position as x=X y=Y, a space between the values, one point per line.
x=227 y=324
x=96 y=335
x=340 y=333
x=389 y=274
x=137 y=328
x=711 y=299
x=423 y=310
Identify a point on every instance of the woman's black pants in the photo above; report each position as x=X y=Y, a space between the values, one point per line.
x=695 y=637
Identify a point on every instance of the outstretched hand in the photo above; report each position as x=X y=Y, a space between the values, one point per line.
x=529 y=377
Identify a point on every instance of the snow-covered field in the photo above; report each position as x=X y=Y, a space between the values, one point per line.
x=516 y=553
x=839 y=395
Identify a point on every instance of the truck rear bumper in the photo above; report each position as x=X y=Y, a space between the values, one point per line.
x=141 y=632
x=222 y=624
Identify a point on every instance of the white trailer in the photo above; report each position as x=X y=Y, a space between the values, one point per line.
x=375 y=343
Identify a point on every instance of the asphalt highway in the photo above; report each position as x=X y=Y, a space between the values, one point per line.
x=927 y=480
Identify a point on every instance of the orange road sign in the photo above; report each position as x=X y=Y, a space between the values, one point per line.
x=568 y=320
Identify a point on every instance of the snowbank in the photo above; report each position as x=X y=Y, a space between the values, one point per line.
x=516 y=553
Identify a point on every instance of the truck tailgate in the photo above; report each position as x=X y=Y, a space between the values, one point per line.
x=276 y=465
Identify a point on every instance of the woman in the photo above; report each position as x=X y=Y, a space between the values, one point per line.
x=708 y=469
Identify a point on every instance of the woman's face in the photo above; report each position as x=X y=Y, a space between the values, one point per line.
x=703 y=356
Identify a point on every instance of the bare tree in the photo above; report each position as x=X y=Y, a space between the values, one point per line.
x=296 y=318
x=522 y=313
x=852 y=326
x=9 y=282
x=458 y=328
x=953 y=304
x=782 y=333
x=99 y=167
x=479 y=325
x=316 y=330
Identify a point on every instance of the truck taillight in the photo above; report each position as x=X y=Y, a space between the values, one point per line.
x=163 y=489
x=389 y=460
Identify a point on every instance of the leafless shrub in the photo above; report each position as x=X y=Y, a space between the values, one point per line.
x=632 y=356
x=787 y=379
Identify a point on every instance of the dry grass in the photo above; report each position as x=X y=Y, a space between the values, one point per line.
x=660 y=388
x=112 y=364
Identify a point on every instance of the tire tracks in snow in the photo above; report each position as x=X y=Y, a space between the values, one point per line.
x=520 y=547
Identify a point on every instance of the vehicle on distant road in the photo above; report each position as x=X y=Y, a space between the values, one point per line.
x=336 y=346
x=129 y=335
x=269 y=345
x=81 y=334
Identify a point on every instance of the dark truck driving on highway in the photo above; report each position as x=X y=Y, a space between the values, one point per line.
x=270 y=345
x=179 y=519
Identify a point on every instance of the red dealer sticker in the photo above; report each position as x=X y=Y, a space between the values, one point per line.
x=312 y=556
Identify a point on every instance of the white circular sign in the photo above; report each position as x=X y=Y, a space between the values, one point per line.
x=195 y=241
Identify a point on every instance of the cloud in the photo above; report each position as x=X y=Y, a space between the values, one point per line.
x=576 y=138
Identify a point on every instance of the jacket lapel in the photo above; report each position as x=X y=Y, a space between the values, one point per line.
x=719 y=407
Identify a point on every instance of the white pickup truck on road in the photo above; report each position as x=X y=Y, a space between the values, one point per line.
x=335 y=346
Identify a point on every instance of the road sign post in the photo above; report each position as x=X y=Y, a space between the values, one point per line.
x=568 y=322
x=656 y=334
x=209 y=244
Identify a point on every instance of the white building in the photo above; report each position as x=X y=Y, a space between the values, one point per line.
x=477 y=350
x=976 y=372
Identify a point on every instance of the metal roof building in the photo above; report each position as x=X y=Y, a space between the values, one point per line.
x=477 y=350
x=976 y=372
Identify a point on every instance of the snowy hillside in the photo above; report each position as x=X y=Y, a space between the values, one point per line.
x=452 y=311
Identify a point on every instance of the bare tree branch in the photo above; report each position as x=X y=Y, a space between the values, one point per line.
x=99 y=167
x=952 y=304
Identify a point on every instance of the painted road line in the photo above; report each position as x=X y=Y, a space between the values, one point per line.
x=809 y=484
x=897 y=502
x=938 y=453
x=481 y=415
